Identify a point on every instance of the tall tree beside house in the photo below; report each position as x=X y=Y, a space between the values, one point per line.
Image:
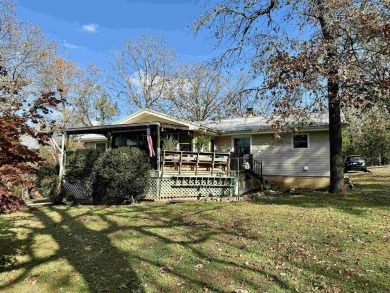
x=312 y=55
x=91 y=102
x=86 y=101
x=142 y=69
x=199 y=92
x=60 y=78
x=24 y=52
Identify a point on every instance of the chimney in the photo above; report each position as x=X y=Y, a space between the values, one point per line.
x=249 y=113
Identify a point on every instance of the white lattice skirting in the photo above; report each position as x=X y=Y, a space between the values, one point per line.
x=185 y=187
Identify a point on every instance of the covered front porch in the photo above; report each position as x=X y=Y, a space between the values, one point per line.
x=153 y=139
x=181 y=165
x=179 y=173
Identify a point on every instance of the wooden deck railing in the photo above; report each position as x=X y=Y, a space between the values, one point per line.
x=192 y=162
x=247 y=162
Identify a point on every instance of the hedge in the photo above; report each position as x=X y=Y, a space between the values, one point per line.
x=121 y=172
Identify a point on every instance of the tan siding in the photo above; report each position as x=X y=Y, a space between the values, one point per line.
x=281 y=159
x=90 y=145
x=221 y=141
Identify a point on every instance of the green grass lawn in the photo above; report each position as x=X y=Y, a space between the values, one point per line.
x=309 y=242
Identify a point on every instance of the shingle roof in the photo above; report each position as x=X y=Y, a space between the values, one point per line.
x=262 y=123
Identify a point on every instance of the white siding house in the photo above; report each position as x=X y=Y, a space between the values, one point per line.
x=293 y=161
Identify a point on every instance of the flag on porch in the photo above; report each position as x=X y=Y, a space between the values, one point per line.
x=150 y=143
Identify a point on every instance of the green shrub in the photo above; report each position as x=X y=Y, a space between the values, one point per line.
x=170 y=144
x=79 y=165
x=121 y=172
x=47 y=181
x=202 y=142
x=66 y=197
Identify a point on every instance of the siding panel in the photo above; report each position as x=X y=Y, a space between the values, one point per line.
x=281 y=159
x=222 y=142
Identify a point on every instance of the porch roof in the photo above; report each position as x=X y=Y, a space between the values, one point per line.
x=148 y=115
x=108 y=128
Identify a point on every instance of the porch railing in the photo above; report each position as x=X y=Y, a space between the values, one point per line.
x=247 y=162
x=191 y=162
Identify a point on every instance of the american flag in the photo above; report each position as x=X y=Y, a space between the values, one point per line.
x=150 y=143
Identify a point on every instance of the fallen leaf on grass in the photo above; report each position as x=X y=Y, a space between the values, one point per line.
x=240 y=291
x=198 y=266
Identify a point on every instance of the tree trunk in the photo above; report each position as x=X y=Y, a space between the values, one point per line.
x=335 y=139
x=334 y=104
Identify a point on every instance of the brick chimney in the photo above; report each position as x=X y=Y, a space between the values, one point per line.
x=249 y=113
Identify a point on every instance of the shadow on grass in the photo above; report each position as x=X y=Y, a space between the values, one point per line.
x=371 y=192
x=107 y=267
x=200 y=233
x=89 y=252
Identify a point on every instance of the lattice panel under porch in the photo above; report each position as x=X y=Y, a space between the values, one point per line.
x=80 y=192
x=176 y=187
x=152 y=193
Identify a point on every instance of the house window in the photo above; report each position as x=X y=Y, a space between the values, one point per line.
x=101 y=146
x=301 y=141
x=242 y=146
x=185 y=141
x=186 y=147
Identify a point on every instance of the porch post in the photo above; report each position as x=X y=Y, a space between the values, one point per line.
x=65 y=139
x=109 y=140
x=158 y=148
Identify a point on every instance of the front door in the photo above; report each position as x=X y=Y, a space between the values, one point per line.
x=242 y=146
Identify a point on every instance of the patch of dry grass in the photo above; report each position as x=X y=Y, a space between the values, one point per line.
x=312 y=241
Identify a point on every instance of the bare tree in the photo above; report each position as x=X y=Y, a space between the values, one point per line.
x=143 y=67
x=312 y=55
x=199 y=92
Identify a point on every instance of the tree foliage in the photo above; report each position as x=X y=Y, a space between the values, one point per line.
x=60 y=78
x=91 y=102
x=8 y=202
x=24 y=55
x=311 y=55
x=85 y=99
x=368 y=134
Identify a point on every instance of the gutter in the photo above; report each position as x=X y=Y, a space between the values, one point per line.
x=100 y=129
x=266 y=131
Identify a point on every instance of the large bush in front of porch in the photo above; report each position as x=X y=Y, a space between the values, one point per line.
x=79 y=165
x=121 y=172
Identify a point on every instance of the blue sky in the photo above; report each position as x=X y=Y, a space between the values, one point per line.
x=90 y=29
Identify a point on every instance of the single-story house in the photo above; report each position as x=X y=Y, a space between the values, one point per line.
x=235 y=145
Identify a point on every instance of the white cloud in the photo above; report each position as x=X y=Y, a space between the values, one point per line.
x=71 y=46
x=90 y=28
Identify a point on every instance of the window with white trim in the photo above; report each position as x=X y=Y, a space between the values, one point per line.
x=101 y=146
x=301 y=141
